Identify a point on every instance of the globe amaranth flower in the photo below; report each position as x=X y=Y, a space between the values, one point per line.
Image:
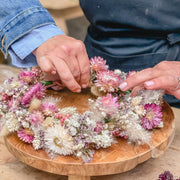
x=38 y=91
x=98 y=64
x=153 y=116
x=107 y=81
x=120 y=133
x=62 y=117
x=26 y=135
x=108 y=103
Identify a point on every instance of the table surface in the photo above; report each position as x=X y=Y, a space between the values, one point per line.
x=11 y=168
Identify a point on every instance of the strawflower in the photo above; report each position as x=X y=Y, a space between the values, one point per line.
x=108 y=103
x=58 y=140
x=107 y=81
x=98 y=64
x=26 y=135
x=153 y=116
x=27 y=76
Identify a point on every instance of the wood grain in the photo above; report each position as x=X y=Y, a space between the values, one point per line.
x=120 y=157
x=59 y=4
x=79 y=178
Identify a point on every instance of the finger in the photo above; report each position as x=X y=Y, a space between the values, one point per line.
x=57 y=88
x=65 y=75
x=51 y=77
x=136 y=89
x=46 y=65
x=175 y=93
x=68 y=54
x=162 y=82
x=73 y=65
x=84 y=65
x=139 y=78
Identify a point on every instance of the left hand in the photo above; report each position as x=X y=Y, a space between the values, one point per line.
x=162 y=76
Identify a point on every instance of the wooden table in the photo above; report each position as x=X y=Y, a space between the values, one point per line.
x=62 y=10
x=149 y=170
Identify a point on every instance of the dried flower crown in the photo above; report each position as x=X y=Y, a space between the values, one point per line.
x=25 y=109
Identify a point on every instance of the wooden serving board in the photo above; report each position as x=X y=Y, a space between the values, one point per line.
x=118 y=158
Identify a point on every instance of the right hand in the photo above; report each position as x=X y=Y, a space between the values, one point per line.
x=68 y=58
x=162 y=76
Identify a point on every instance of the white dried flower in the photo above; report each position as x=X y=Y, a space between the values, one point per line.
x=36 y=143
x=12 y=122
x=117 y=71
x=103 y=140
x=73 y=120
x=136 y=100
x=68 y=110
x=58 y=140
x=72 y=131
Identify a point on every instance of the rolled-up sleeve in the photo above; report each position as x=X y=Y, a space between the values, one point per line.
x=18 y=18
x=21 y=51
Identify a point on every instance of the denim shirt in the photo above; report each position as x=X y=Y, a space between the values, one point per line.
x=18 y=18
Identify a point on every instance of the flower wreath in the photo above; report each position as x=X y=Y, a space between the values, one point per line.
x=37 y=120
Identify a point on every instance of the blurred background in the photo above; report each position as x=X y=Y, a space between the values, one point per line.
x=67 y=15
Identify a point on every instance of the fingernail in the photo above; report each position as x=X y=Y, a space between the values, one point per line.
x=78 y=90
x=53 y=72
x=149 y=83
x=84 y=85
x=123 y=86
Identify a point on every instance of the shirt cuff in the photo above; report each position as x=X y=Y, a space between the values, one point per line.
x=21 y=51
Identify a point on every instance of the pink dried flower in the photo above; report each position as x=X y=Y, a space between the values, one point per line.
x=39 y=75
x=107 y=81
x=25 y=135
x=98 y=64
x=38 y=90
x=131 y=73
x=62 y=117
x=119 y=133
x=99 y=127
x=27 y=76
x=108 y=103
x=13 y=103
x=153 y=116
x=5 y=97
x=36 y=118
x=48 y=108
x=166 y=176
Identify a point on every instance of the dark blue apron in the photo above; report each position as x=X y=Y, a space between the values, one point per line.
x=133 y=34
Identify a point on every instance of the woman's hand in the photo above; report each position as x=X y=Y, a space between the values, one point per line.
x=164 y=75
x=66 y=59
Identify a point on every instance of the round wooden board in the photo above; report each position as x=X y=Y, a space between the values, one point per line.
x=120 y=157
